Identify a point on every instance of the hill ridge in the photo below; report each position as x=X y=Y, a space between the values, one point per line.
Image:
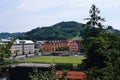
x=59 y=31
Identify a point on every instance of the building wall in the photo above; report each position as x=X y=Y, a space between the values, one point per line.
x=29 y=48
x=80 y=45
x=40 y=44
x=48 y=47
x=25 y=48
x=17 y=49
x=51 y=46
x=73 y=46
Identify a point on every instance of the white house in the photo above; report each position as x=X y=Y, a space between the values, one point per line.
x=22 y=47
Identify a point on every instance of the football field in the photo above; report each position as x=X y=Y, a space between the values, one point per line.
x=55 y=59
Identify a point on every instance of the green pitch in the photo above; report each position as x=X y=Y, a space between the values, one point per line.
x=55 y=59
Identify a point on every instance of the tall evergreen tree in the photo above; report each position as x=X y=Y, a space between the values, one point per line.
x=94 y=26
x=95 y=20
x=92 y=31
x=102 y=50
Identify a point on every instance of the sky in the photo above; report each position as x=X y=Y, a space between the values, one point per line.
x=24 y=15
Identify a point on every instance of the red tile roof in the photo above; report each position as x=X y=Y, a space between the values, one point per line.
x=72 y=75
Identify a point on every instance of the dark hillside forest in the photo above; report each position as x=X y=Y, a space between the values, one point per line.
x=59 y=31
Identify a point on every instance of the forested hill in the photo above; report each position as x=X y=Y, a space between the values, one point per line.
x=62 y=30
x=6 y=35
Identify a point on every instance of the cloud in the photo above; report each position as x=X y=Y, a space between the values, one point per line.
x=23 y=15
x=37 y=5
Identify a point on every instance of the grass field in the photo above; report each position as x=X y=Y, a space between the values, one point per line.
x=55 y=59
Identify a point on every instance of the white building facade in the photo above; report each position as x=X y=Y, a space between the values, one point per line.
x=23 y=47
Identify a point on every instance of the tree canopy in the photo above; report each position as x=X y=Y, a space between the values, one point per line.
x=102 y=51
x=5 y=53
x=94 y=26
x=103 y=57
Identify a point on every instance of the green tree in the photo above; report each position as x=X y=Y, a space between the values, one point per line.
x=94 y=26
x=43 y=75
x=65 y=48
x=47 y=75
x=91 y=41
x=103 y=57
x=102 y=50
x=5 y=53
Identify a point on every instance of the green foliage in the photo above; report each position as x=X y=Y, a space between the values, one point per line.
x=47 y=75
x=60 y=31
x=102 y=50
x=43 y=75
x=93 y=26
x=5 y=49
x=95 y=19
x=92 y=41
x=9 y=35
x=65 y=48
x=5 y=53
x=66 y=66
x=103 y=57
